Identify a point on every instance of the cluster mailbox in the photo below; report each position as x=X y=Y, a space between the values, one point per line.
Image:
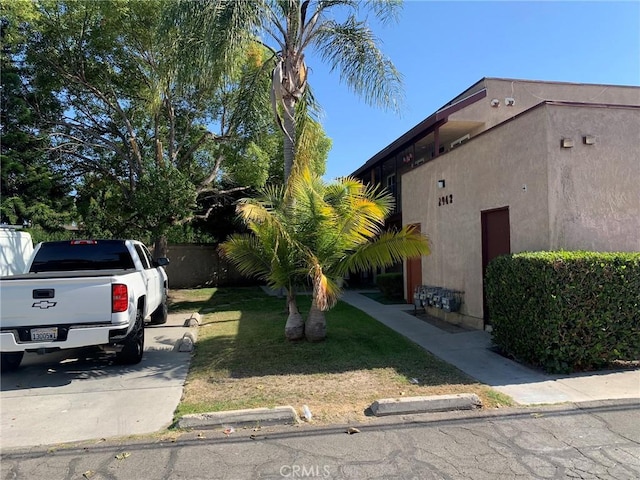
x=437 y=297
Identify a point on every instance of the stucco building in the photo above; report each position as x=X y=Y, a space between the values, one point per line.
x=510 y=166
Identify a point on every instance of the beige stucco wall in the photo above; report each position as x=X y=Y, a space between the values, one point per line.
x=586 y=197
x=503 y=167
x=530 y=93
x=594 y=190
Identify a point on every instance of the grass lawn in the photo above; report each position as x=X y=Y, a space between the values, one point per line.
x=242 y=360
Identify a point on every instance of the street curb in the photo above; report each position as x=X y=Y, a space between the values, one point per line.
x=241 y=418
x=288 y=415
x=435 y=403
x=190 y=325
x=193 y=321
x=187 y=342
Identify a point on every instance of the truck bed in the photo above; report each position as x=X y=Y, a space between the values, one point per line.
x=66 y=298
x=37 y=276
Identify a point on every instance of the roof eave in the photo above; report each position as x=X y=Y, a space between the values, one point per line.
x=422 y=128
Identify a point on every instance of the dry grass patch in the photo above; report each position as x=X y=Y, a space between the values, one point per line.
x=242 y=360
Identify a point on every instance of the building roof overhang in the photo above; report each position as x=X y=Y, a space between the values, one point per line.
x=471 y=95
x=423 y=128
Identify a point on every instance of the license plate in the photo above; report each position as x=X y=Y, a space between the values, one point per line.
x=44 y=334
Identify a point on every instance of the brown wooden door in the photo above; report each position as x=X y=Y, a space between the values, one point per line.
x=496 y=240
x=414 y=273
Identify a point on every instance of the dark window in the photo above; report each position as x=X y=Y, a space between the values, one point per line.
x=67 y=256
x=143 y=258
x=148 y=255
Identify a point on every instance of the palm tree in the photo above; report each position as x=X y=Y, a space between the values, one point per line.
x=322 y=232
x=213 y=31
x=269 y=252
x=340 y=230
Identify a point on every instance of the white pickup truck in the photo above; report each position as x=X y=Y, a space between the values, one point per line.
x=82 y=293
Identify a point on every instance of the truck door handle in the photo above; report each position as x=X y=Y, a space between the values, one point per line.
x=44 y=293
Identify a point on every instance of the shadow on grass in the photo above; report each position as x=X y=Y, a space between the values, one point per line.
x=242 y=335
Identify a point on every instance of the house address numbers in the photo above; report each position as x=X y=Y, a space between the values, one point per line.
x=445 y=200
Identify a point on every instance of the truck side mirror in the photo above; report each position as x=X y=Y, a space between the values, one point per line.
x=160 y=262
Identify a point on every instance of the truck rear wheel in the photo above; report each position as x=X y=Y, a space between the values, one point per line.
x=133 y=345
x=10 y=361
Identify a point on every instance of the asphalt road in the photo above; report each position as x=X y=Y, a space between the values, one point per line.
x=82 y=394
x=599 y=440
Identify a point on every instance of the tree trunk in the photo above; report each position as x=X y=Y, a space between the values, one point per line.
x=315 y=329
x=289 y=124
x=160 y=248
x=294 y=328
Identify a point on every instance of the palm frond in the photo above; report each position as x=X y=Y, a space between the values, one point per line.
x=213 y=33
x=386 y=250
x=248 y=255
x=351 y=49
x=386 y=11
x=325 y=291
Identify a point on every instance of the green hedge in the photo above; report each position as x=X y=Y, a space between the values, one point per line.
x=390 y=284
x=566 y=311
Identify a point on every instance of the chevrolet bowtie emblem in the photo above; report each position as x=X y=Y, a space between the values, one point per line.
x=44 y=304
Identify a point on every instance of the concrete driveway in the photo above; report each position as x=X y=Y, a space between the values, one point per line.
x=82 y=394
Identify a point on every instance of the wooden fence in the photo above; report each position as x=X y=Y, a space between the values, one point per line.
x=200 y=265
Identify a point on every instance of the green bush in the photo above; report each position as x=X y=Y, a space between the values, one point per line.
x=390 y=284
x=566 y=311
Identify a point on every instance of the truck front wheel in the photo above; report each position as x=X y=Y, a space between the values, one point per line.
x=159 y=315
x=133 y=345
x=10 y=361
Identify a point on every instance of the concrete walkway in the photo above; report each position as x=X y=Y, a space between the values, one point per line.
x=81 y=394
x=469 y=351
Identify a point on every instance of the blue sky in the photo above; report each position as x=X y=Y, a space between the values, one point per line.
x=442 y=48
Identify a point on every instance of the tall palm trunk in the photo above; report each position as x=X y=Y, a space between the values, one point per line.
x=315 y=329
x=294 y=328
x=289 y=125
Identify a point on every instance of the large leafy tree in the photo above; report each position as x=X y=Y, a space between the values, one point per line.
x=215 y=29
x=150 y=146
x=320 y=232
x=32 y=190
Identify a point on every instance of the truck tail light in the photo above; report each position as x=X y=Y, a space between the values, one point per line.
x=119 y=298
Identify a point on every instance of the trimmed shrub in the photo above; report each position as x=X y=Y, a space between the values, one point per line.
x=390 y=284
x=566 y=311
